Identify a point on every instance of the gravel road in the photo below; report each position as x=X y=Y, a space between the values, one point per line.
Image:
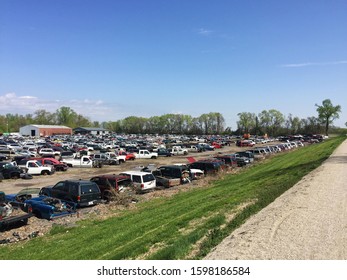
x=308 y=222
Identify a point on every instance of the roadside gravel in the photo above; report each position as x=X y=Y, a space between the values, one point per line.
x=308 y=222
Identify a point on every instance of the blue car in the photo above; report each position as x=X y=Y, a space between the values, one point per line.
x=50 y=208
x=43 y=207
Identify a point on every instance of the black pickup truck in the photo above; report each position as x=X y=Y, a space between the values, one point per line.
x=11 y=214
x=9 y=171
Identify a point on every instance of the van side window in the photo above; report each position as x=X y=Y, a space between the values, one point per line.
x=61 y=186
x=126 y=182
x=137 y=179
x=72 y=188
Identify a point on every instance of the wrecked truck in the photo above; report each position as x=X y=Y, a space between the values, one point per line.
x=41 y=206
x=11 y=214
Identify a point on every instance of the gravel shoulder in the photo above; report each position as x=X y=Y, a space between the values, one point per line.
x=308 y=222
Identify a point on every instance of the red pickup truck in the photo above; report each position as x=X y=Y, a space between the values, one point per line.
x=58 y=166
x=128 y=156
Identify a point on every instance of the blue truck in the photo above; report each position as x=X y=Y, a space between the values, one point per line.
x=43 y=207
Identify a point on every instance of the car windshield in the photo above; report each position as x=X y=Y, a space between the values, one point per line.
x=89 y=188
x=6 y=166
x=34 y=191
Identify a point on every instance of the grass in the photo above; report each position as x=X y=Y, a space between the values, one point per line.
x=185 y=226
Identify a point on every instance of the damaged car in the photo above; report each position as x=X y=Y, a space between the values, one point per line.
x=42 y=207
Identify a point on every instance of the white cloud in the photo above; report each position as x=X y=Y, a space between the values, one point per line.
x=305 y=64
x=28 y=97
x=10 y=100
x=96 y=110
x=204 y=32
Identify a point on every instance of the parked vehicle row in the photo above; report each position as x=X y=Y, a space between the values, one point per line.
x=66 y=196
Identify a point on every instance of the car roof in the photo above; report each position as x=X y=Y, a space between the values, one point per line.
x=77 y=181
x=131 y=172
x=112 y=176
x=174 y=166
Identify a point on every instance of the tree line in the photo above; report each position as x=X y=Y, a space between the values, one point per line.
x=210 y=123
x=271 y=122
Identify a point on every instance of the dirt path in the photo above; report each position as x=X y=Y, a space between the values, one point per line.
x=308 y=222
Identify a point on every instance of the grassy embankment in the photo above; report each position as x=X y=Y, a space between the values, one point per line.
x=185 y=226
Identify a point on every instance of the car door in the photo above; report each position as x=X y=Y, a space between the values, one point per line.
x=34 y=168
x=85 y=161
x=60 y=190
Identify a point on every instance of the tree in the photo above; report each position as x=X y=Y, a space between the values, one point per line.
x=211 y=123
x=271 y=121
x=134 y=124
x=66 y=116
x=310 y=125
x=219 y=123
x=43 y=117
x=81 y=121
x=293 y=124
x=247 y=122
x=327 y=113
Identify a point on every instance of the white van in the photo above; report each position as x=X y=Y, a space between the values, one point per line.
x=144 y=180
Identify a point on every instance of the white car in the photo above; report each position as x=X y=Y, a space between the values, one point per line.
x=49 y=151
x=27 y=153
x=144 y=180
x=14 y=146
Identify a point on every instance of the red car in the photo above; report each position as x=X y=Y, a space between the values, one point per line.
x=128 y=156
x=108 y=184
x=216 y=145
x=245 y=143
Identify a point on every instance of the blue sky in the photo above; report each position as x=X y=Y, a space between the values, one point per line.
x=111 y=59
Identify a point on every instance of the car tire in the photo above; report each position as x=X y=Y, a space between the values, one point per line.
x=15 y=176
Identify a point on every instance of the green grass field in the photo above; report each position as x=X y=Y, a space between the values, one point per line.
x=185 y=226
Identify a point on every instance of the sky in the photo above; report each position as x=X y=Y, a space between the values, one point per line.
x=110 y=59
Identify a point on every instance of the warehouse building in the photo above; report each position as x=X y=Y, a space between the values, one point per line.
x=91 y=131
x=36 y=130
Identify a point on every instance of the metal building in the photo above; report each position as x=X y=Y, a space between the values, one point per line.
x=91 y=131
x=37 y=130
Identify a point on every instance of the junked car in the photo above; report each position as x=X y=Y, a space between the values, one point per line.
x=144 y=181
x=82 y=192
x=110 y=184
x=41 y=206
x=11 y=214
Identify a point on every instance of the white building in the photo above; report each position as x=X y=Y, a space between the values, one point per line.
x=36 y=130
